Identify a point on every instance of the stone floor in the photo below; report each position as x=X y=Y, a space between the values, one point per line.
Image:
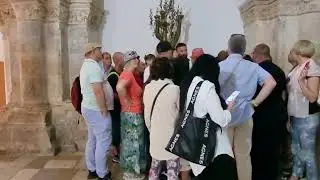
x=65 y=166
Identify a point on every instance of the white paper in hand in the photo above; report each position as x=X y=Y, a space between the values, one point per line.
x=232 y=97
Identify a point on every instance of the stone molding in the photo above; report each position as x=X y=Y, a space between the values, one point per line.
x=29 y=11
x=79 y=12
x=96 y=17
x=58 y=13
x=86 y=13
x=258 y=10
x=6 y=14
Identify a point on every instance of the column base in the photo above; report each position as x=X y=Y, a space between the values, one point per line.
x=27 y=129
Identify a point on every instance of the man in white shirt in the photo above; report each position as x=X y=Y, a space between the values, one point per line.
x=148 y=60
x=94 y=109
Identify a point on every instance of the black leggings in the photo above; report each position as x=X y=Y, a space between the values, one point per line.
x=116 y=137
x=222 y=168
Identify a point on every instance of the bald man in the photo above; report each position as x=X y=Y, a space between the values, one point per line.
x=269 y=120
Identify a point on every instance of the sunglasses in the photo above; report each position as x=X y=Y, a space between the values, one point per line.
x=234 y=35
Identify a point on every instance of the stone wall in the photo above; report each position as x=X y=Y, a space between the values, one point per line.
x=280 y=23
x=44 y=43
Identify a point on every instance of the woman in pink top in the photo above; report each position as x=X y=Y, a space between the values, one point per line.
x=133 y=147
x=303 y=109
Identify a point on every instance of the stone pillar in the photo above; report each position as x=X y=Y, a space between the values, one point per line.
x=26 y=124
x=77 y=35
x=30 y=48
x=55 y=33
x=280 y=23
x=85 y=25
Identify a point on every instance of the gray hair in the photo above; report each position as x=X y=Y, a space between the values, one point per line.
x=237 y=44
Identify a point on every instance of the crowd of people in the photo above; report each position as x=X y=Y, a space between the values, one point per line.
x=131 y=105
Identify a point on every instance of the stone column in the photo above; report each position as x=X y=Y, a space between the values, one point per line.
x=56 y=54
x=26 y=124
x=77 y=35
x=85 y=25
x=30 y=48
x=280 y=23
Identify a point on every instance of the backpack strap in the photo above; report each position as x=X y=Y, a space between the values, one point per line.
x=113 y=73
x=155 y=99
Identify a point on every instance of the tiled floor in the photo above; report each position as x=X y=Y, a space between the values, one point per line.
x=65 y=166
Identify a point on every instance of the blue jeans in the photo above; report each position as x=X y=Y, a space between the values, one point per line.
x=304 y=145
x=99 y=141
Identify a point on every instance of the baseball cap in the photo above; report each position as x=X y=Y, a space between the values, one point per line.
x=91 y=46
x=130 y=55
x=164 y=46
x=197 y=52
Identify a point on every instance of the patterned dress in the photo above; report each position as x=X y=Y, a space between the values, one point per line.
x=133 y=149
x=133 y=154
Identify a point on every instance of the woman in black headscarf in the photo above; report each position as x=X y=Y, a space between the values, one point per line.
x=208 y=101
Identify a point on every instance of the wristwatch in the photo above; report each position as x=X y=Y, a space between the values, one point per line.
x=254 y=104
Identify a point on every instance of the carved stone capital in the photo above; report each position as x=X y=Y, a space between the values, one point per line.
x=96 y=17
x=257 y=10
x=6 y=14
x=29 y=11
x=58 y=12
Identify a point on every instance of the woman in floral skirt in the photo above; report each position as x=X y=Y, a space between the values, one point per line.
x=133 y=147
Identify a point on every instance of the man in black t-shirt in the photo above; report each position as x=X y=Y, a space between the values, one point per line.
x=181 y=63
x=113 y=77
x=269 y=121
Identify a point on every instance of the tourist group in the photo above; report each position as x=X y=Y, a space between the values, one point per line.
x=170 y=116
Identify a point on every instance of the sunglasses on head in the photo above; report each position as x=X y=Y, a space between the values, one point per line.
x=233 y=35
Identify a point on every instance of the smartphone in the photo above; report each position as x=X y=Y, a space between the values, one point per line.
x=307 y=66
x=232 y=97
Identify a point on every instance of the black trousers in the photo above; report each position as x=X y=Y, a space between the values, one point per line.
x=116 y=136
x=223 y=168
x=267 y=137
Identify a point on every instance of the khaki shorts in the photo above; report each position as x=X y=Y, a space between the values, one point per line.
x=185 y=166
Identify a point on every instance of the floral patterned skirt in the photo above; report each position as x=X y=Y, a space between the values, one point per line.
x=133 y=156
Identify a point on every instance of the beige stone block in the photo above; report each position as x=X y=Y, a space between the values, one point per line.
x=32 y=65
x=25 y=174
x=5 y=137
x=23 y=161
x=82 y=164
x=38 y=162
x=26 y=117
x=8 y=173
x=33 y=90
x=80 y=175
x=54 y=174
x=60 y=164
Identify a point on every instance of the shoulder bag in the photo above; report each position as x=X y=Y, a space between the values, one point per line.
x=194 y=139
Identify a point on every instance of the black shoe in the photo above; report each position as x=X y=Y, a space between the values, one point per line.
x=107 y=177
x=92 y=175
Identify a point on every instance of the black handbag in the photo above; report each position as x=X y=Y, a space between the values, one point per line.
x=194 y=139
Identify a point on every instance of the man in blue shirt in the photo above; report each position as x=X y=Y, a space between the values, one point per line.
x=237 y=74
